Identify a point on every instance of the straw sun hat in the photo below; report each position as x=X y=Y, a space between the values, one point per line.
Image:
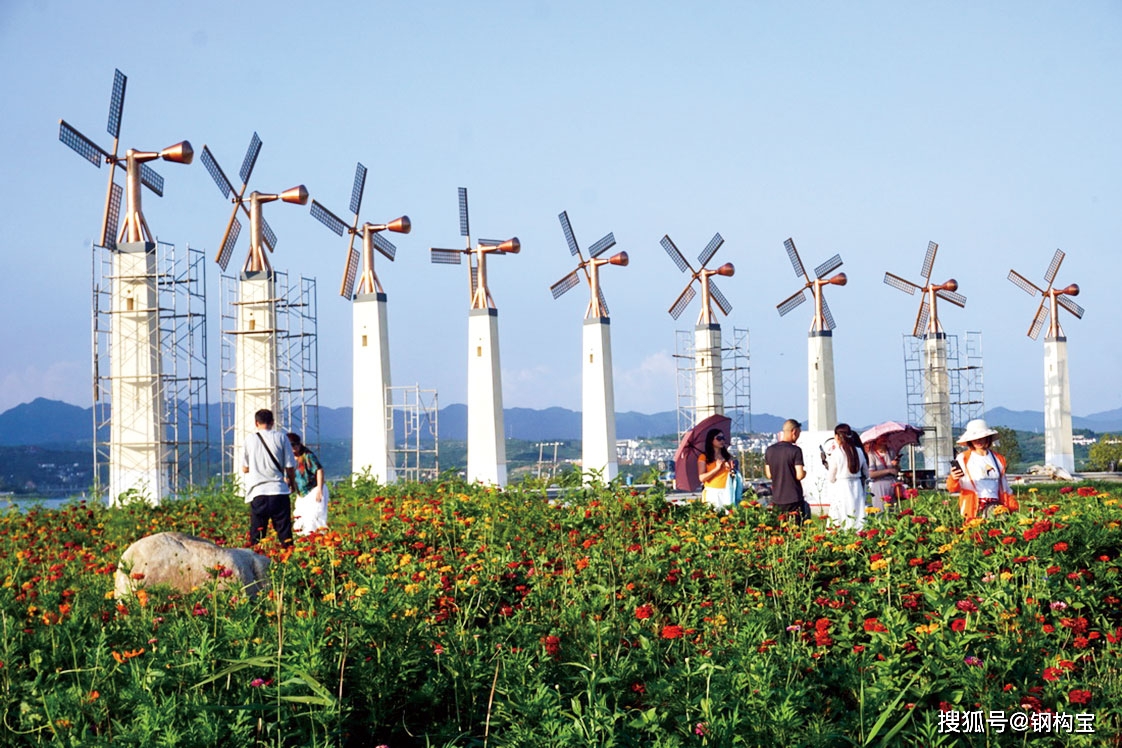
x=976 y=429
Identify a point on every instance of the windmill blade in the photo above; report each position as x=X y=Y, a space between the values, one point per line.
x=327 y=218
x=567 y=229
x=151 y=179
x=1023 y=283
x=82 y=145
x=564 y=285
x=897 y=282
x=1071 y=306
x=1041 y=319
x=116 y=104
x=267 y=235
x=112 y=217
x=828 y=266
x=216 y=173
x=921 y=318
x=250 y=158
x=955 y=298
x=602 y=245
x=711 y=248
x=685 y=298
x=929 y=261
x=675 y=254
x=350 y=272
x=796 y=261
x=229 y=239
x=490 y=242
x=827 y=316
x=385 y=246
x=791 y=302
x=465 y=229
x=358 y=188
x=603 y=303
x=717 y=296
x=1054 y=267
x=474 y=278
x=446 y=256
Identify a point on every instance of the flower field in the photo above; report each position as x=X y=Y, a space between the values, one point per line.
x=448 y=615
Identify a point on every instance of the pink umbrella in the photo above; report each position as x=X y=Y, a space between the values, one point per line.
x=692 y=445
x=896 y=435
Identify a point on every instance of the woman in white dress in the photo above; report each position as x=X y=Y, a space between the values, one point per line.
x=847 y=471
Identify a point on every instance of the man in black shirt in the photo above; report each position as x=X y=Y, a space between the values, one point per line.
x=783 y=465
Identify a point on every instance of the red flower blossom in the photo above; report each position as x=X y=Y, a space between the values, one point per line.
x=958 y=624
x=552 y=645
x=1066 y=489
x=1086 y=491
x=1052 y=673
x=967 y=606
x=872 y=624
x=644 y=611
x=1079 y=696
x=1060 y=547
x=672 y=632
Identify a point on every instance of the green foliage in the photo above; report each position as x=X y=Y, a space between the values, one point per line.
x=1106 y=453
x=1009 y=447
x=453 y=615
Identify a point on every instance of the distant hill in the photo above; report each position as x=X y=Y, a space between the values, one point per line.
x=45 y=421
x=1033 y=420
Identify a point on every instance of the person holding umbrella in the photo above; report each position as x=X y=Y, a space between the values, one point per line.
x=884 y=467
x=715 y=467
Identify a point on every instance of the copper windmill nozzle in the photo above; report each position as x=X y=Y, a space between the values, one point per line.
x=838 y=280
x=620 y=259
x=180 y=153
x=726 y=270
x=510 y=246
x=297 y=194
x=400 y=225
x=1072 y=290
x=951 y=285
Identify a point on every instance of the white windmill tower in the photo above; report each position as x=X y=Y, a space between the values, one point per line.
x=709 y=396
x=256 y=376
x=821 y=395
x=598 y=405
x=486 y=456
x=938 y=451
x=372 y=430
x=1058 y=448
x=138 y=450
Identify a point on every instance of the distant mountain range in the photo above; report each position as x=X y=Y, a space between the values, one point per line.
x=43 y=422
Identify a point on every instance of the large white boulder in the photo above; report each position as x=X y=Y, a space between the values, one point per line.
x=185 y=562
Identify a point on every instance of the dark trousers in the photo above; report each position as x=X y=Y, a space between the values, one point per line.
x=802 y=508
x=274 y=507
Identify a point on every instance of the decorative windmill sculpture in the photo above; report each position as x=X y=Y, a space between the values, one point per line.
x=372 y=430
x=138 y=446
x=1059 y=450
x=709 y=396
x=256 y=377
x=821 y=396
x=486 y=435
x=938 y=451
x=598 y=415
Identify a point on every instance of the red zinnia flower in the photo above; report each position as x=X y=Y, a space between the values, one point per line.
x=1079 y=696
x=672 y=632
x=872 y=624
x=967 y=606
x=552 y=645
x=1060 y=547
x=1052 y=673
x=644 y=611
x=958 y=624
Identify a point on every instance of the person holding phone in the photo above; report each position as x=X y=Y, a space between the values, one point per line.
x=978 y=474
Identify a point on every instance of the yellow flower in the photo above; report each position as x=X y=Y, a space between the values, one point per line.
x=880 y=563
x=930 y=628
x=329 y=597
x=1006 y=576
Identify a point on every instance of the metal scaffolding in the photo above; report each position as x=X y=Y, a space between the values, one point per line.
x=966 y=384
x=736 y=380
x=414 y=412
x=297 y=360
x=180 y=283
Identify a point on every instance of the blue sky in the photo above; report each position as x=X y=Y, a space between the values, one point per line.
x=865 y=129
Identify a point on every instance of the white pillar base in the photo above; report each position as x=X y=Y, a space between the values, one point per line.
x=486 y=452
x=709 y=384
x=822 y=404
x=255 y=366
x=372 y=430
x=137 y=442
x=938 y=440
x=1059 y=449
x=598 y=407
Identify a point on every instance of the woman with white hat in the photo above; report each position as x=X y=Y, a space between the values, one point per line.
x=979 y=474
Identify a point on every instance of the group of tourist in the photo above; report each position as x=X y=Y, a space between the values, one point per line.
x=275 y=466
x=856 y=472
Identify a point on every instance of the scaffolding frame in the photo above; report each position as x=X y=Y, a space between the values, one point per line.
x=182 y=378
x=297 y=361
x=965 y=380
x=736 y=380
x=416 y=454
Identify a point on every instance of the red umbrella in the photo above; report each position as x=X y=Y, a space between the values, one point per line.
x=896 y=435
x=692 y=445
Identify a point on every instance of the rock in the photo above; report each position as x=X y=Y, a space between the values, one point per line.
x=1052 y=472
x=184 y=563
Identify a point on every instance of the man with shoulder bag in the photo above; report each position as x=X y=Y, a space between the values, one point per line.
x=270 y=473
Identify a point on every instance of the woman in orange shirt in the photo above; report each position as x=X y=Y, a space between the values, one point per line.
x=714 y=468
